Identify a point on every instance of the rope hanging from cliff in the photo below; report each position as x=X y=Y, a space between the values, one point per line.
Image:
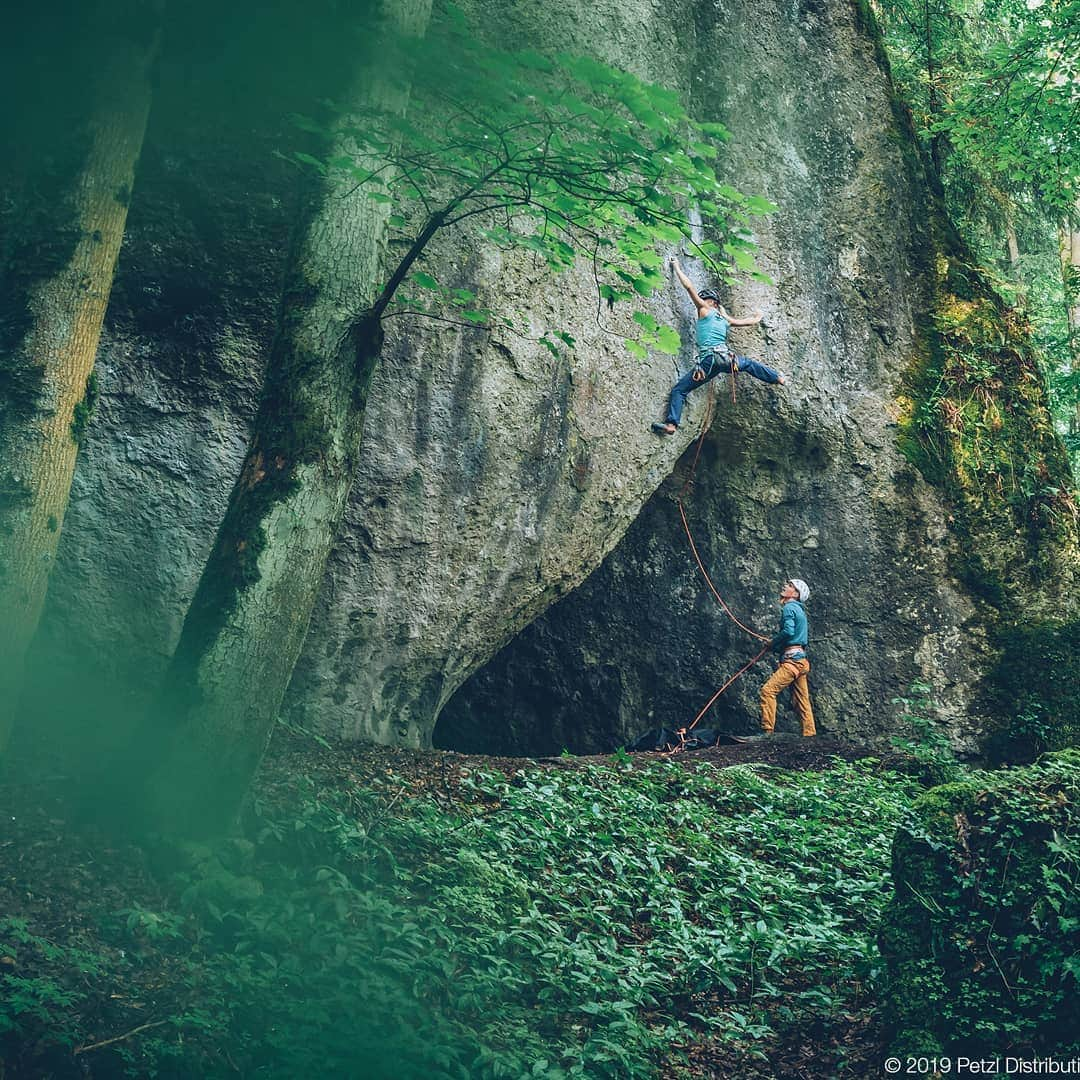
x=705 y=574
x=686 y=524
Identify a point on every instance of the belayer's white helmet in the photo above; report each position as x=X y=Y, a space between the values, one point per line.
x=801 y=588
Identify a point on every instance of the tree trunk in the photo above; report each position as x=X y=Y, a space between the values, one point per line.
x=1012 y=246
x=247 y=622
x=1069 y=235
x=59 y=310
x=1013 y=249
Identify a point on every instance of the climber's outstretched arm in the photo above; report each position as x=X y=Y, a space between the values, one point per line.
x=688 y=285
x=752 y=321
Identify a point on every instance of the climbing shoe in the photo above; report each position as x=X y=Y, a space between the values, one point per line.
x=664 y=429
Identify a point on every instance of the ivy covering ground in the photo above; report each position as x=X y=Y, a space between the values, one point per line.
x=609 y=920
x=982 y=940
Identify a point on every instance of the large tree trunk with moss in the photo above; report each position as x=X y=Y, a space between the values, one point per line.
x=1070 y=273
x=247 y=622
x=59 y=261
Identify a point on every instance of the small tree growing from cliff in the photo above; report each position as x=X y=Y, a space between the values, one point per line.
x=561 y=156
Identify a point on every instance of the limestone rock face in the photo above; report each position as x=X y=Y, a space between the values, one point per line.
x=808 y=482
x=494 y=476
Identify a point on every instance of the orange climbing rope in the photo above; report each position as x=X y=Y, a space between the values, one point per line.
x=708 y=705
x=681 y=732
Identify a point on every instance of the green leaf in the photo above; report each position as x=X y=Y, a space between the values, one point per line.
x=668 y=341
x=644 y=284
x=743 y=259
x=756 y=204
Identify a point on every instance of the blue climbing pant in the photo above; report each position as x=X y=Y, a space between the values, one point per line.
x=713 y=364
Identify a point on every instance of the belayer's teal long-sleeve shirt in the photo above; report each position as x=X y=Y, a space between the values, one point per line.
x=793 y=626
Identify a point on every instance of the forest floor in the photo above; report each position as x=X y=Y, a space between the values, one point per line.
x=853 y=1047
x=65 y=885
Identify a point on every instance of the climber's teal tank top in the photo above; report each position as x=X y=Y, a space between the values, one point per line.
x=711 y=331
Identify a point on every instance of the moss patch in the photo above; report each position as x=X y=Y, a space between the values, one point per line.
x=975 y=421
x=982 y=937
x=84 y=409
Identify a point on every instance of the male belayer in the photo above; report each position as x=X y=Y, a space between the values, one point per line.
x=793 y=668
x=713 y=355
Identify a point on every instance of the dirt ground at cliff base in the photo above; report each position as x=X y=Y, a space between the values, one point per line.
x=440 y=772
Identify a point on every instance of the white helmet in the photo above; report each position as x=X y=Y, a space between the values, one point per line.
x=801 y=588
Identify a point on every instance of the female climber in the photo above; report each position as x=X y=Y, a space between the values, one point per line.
x=713 y=355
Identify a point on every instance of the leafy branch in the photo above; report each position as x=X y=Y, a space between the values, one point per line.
x=559 y=156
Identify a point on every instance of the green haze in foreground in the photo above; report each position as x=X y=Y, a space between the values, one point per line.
x=578 y=922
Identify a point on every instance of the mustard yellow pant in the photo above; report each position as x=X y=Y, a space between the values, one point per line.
x=790 y=673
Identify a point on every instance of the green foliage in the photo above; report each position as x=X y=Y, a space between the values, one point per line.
x=992 y=85
x=1036 y=678
x=926 y=739
x=574 y=918
x=993 y=89
x=563 y=157
x=573 y=922
x=983 y=936
x=42 y=1003
x=1014 y=110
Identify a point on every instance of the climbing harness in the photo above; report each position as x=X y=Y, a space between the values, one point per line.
x=701 y=373
x=682 y=732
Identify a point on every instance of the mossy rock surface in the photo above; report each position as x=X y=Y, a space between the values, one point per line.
x=982 y=939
